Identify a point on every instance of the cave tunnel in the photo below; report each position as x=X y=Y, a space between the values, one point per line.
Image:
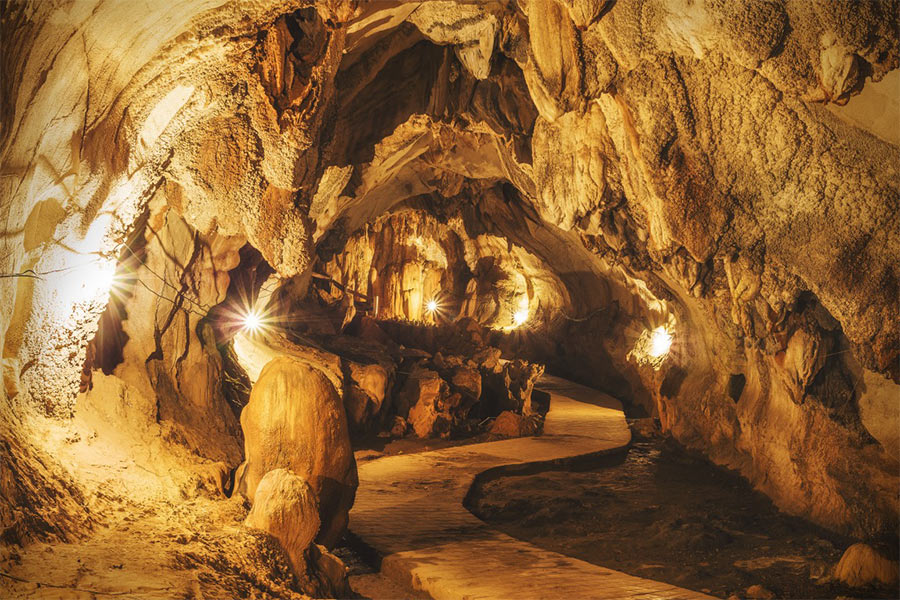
x=445 y=299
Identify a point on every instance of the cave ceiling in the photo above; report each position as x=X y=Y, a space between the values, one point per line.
x=733 y=165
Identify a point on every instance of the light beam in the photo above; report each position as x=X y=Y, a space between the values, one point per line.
x=660 y=342
x=520 y=316
x=252 y=322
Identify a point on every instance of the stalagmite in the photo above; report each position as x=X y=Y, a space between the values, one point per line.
x=243 y=237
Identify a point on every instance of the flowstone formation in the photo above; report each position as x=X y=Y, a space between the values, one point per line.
x=570 y=173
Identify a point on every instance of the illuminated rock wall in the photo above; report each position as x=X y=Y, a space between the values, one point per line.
x=411 y=258
x=730 y=168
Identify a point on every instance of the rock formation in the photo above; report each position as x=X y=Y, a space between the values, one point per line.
x=570 y=174
x=286 y=507
x=295 y=420
x=862 y=565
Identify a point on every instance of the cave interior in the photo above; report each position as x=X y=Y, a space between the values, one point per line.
x=290 y=286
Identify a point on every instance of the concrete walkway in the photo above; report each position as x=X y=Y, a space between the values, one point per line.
x=409 y=508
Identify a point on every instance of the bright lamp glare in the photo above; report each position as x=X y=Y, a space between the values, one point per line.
x=252 y=322
x=83 y=283
x=660 y=342
x=431 y=306
x=652 y=347
x=520 y=316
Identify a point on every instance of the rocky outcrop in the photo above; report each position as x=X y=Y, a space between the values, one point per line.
x=171 y=276
x=725 y=170
x=509 y=386
x=423 y=401
x=38 y=501
x=127 y=121
x=285 y=507
x=369 y=386
x=510 y=424
x=406 y=260
x=295 y=420
x=862 y=565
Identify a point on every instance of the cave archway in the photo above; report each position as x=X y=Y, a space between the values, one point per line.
x=598 y=170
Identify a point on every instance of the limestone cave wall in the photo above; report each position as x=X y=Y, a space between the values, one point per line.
x=729 y=170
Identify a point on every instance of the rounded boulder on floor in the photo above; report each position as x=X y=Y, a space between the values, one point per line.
x=285 y=507
x=862 y=565
x=295 y=420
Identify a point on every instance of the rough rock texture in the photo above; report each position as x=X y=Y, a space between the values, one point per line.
x=411 y=258
x=510 y=386
x=510 y=424
x=422 y=402
x=125 y=120
x=758 y=592
x=862 y=565
x=174 y=276
x=329 y=574
x=285 y=507
x=295 y=420
x=728 y=170
x=363 y=401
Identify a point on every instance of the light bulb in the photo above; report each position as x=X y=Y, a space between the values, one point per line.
x=520 y=316
x=660 y=342
x=252 y=322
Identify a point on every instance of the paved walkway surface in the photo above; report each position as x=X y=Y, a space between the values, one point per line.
x=409 y=508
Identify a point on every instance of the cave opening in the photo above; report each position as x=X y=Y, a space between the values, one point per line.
x=441 y=299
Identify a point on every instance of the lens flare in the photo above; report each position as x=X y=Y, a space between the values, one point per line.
x=520 y=316
x=660 y=342
x=252 y=322
x=431 y=306
x=652 y=347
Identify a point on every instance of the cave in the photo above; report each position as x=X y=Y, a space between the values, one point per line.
x=446 y=299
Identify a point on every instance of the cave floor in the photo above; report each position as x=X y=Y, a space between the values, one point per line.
x=156 y=551
x=410 y=511
x=660 y=511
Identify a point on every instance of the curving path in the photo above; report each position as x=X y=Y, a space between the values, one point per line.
x=409 y=509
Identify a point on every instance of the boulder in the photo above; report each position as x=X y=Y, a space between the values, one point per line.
x=488 y=359
x=470 y=333
x=465 y=385
x=446 y=363
x=365 y=394
x=758 y=592
x=467 y=381
x=497 y=395
x=285 y=507
x=428 y=421
x=522 y=377
x=421 y=384
x=863 y=565
x=329 y=574
x=428 y=415
x=510 y=424
x=368 y=329
x=295 y=420
x=464 y=381
x=399 y=427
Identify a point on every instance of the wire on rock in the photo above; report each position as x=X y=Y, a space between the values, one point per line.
x=66 y=587
x=582 y=319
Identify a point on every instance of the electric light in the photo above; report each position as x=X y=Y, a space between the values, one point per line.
x=660 y=342
x=81 y=284
x=652 y=347
x=431 y=306
x=252 y=322
x=520 y=316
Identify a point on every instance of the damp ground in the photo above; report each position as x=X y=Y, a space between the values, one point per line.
x=658 y=512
